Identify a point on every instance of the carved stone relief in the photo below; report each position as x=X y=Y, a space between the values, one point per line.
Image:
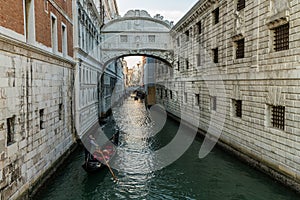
x=275 y=97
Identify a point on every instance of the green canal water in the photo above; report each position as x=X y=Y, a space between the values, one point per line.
x=218 y=176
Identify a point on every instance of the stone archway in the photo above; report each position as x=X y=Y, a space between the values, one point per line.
x=137 y=33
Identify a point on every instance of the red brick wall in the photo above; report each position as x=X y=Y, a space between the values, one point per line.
x=11 y=15
x=43 y=23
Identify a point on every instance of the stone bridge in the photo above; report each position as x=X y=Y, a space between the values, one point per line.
x=137 y=33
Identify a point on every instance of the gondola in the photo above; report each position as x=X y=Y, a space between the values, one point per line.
x=97 y=160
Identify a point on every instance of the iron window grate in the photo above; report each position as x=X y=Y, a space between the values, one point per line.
x=278 y=117
x=240 y=4
x=281 y=37
x=240 y=49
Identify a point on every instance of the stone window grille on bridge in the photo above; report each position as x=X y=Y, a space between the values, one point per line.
x=124 y=38
x=240 y=5
x=237 y=108
x=10 y=130
x=240 y=48
x=216 y=16
x=278 y=117
x=215 y=52
x=281 y=37
x=213 y=103
x=151 y=38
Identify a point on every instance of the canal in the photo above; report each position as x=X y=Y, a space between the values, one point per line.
x=218 y=176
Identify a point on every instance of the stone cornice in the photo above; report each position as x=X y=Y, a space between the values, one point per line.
x=16 y=47
x=199 y=8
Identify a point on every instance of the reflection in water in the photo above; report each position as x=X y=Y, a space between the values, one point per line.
x=218 y=176
x=134 y=156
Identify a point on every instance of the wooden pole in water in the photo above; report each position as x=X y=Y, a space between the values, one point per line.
x=112 y=173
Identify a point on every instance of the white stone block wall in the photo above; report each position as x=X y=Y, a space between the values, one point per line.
x=31 y=81
x=263 y=78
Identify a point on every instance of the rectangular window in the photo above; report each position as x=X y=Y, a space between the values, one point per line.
x=29 y=21
x=198 y=58
x=64 y=40
x=171 y=94
x=187 y=63
x=237 y=108
x=278 y=117
x=240 y=5
x=216 y=15
x=178 y=41
x=185 y=97
x=166 y=93
x=240 y=48
x=151 y=38
x=123 y=38
x=10 y=130
x=178 y=64
x=187 y=35
x=197 y=99
x=281 y=37
x=215 y=55
x=199 y=26
x=213 y=103
x=60 y=111
x=161 y=93
x=42 y=119
x=54 y=34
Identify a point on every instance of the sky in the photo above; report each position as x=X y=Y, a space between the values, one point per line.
x=172 y=10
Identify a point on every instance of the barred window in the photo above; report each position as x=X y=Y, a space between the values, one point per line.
x=213 y=103
x=278 y=117
x=281 y=37
x=215 y=55
x=216 y=15
x=240 y=48
x=151 y=38
x=240 y=5
x=123 y=38
x=237 y=105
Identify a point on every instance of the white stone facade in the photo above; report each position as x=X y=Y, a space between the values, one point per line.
x=89 y=68
x=263 y=79
x=36 y=114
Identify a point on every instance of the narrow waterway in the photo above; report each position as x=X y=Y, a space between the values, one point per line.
x=218 y=176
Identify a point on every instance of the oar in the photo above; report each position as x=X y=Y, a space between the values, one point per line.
x=112 y=173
